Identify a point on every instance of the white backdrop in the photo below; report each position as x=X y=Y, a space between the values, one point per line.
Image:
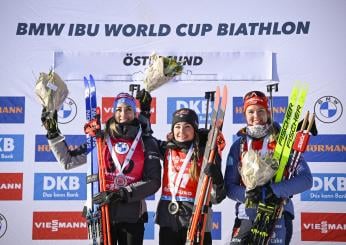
x=265 y=41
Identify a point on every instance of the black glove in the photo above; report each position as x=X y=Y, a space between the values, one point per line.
x=269 y=195
x=254 y=195
x=214 y=173
x=107 y=197
x=50 y=122
x=144 y=99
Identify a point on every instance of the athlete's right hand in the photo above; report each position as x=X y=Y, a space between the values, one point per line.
x=50 y=122
x=91 y=128
x=144 y=99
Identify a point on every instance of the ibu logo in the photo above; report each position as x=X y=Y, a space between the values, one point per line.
x=198 y=104
x=11 y=148
x=327 y=187
x=59 y=186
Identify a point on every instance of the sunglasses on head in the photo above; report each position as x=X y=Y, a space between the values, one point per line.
x=254 y=94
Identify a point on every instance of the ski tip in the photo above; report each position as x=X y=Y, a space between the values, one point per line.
x=91 y=77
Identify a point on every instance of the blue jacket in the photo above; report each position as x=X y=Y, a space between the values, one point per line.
x=301 y=182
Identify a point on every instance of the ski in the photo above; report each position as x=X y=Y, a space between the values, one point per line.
x=269 y=213
x=97 y=217
x=195 y=234
x=286 y=137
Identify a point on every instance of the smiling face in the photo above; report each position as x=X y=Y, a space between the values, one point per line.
x=256 y=115
x=183 y=131
x=124 y=113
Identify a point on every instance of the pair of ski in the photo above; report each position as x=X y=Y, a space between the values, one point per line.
x=97 y=217
x=197 y=227
x=269 y=213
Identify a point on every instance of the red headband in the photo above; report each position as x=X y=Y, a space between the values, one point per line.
x=255 y=99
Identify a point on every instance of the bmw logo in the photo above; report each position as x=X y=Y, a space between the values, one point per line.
x=3 y=225
x=67 y=112
x=328 y=109
x=121 y=148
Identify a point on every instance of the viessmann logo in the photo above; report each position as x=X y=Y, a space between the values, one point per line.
x=11 y=186
x=107 y=109
x=58 y=226
x=323 y=227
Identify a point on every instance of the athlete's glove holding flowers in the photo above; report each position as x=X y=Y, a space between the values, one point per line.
x=263 y=194
x=214 y=172
x=50 y=122
x=109 y=197
x=144 y=99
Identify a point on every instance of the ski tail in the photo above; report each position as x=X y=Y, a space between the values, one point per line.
x=198 y=220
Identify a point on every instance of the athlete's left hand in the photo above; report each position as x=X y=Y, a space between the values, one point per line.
x=214 y=172
x=107 y=197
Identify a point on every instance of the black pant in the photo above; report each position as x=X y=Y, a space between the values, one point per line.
x=127 y=233
x=169 y=237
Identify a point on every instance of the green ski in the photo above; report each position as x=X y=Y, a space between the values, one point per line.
x=289 y=127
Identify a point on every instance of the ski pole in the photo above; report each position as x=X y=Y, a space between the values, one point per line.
x=300 y=143
x=134 y=87
x=270 y=88
x=209 y=96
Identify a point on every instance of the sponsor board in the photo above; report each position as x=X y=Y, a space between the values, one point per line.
x=216 y=226
x=326 y=148
x=198 y=104
x=12 y=109
x=58 y=226
x=60 y=186
x=328 y=227
x=11 y=186
x=329 y=187
x=11 y=148
x=279 y=107
x=42 y=149
x=149 y=228
x=108 y=111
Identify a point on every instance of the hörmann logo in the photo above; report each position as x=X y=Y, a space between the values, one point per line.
x=326 y=148
x=107 y=109
x=60 y=186
x=279 y=108
x=42 y=149
x=12 y=109
x=198 y=104
x=323 y=227
x=11 y=148
x=329 y=187
x=58 y=226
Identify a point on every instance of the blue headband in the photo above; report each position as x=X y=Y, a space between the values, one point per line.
x=124 y=98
